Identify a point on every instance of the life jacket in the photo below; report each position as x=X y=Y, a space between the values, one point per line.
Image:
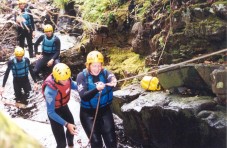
x=20 y=69
x=63 y=94
x=27 y=17
x=106 y=95
x=49 y=45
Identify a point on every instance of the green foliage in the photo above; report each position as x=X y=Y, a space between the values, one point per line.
x=111 y=18
x=100 y=11
x=60 y=3
x=141 y=11
x=161 y=41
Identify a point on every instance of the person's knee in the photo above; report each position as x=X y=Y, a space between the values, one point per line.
x=110 y=140
x=35 y=70
x=96 y=143
x=56 y=61
x=112 y=143
x=61 y=145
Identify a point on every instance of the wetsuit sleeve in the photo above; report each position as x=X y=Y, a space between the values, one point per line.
x=58 y=48
x=74 y=85
x=7 y=73
x=38 y=41
x=84 y=93
x=110 y=75
x=50 y=96
x=32 y=20
x=31 y=70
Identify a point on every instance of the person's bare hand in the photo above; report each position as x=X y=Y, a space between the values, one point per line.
x=33 y=34
x=36 y=86
x=100 y=86
x=72 y=128
x=39 y=56
x=50 y=62
x=1 y=90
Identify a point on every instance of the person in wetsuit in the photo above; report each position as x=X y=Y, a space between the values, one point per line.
x=56 y=90
x=20 y=67
x=50 y=50
x=25 y=26
x=95 y=82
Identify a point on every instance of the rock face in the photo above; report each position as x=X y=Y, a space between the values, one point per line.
x=219 y=85
x=160 y=119
x=195 y=77
x=12 y=136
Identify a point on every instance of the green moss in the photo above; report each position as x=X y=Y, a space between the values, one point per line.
x=97 y=10
x=125 y=63
x=221 y=2
x=142 y=10
x=12 y=136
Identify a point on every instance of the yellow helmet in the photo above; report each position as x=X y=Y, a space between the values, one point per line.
x=19 y=52
x=150 y=83
x=22 y=2
x=94 y=56
x=61 y=72
x=48 y=28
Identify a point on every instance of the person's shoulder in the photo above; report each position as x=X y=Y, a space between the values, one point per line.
x=42 y=36
x=28 y=9
x=56 y=37
x=80 y=75
x=106 y=71
x=26 y=59
x=10 y=62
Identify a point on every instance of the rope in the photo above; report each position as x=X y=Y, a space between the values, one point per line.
x=174 y=65
x=96 y=112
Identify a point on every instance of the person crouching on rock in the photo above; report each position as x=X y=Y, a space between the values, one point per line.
x=51 y=46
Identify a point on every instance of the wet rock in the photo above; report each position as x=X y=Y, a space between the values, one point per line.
x=219 y=85
x=160 y=119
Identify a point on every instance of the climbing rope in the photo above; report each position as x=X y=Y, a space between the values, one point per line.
x=172 y=66
x=96 y=112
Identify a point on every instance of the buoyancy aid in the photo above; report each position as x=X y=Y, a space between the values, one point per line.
x=63 y=91
x=106 y=95
x=20 y=69
x=48 y=46
x=27 y=17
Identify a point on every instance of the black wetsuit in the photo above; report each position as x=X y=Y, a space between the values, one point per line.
x=26 y=32
x=42 y=63
x=104 y=126
x=20 y=83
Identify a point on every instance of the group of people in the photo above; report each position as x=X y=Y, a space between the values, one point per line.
x=94 y=84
